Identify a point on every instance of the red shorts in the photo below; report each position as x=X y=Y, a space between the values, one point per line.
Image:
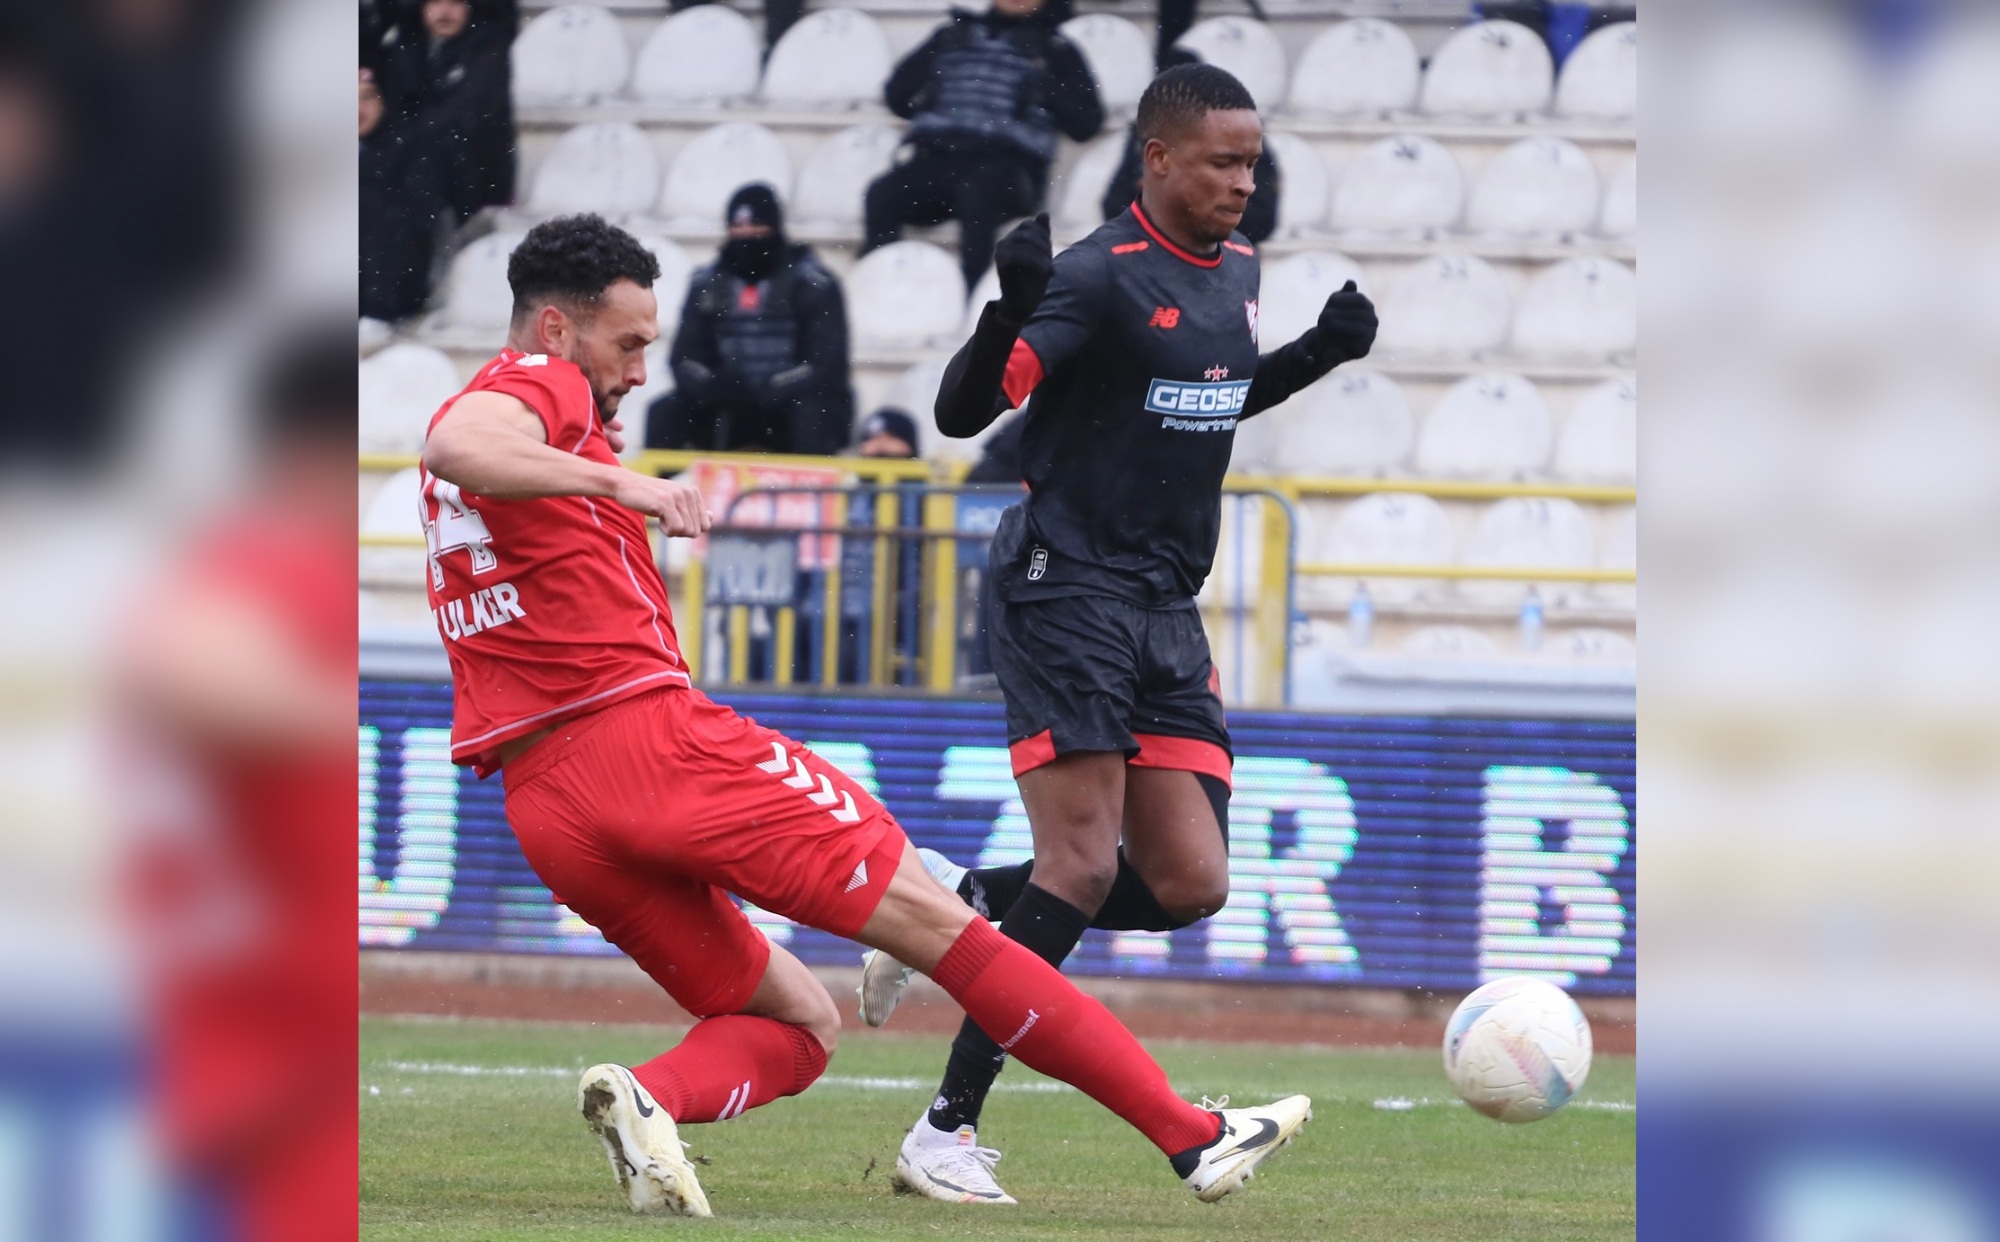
x=643 y=817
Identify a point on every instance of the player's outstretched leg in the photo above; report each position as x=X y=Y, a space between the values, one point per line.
x=1035 y=1014
x=883 y=978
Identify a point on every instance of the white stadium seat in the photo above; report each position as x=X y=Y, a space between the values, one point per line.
x=704 y=56
x=574 y=54
x=1581 y=309
x=393 y=511
x=1407 y=186
x=721 y=160
x=1350 y=423
x=670 y=290
x=476 y=294
x=835 y=176
x=1621 y=202
x=1450 y=306
x=1081 y=207
x=1245 y=47
x=1487 y=427
x=1530 y=532
x=608 y=167
x=1295 y=289
x=906 y=295
x=1302 y=177
x=1600 y=442
x=1600 y=80
x=1119 y=54
x=374 y=334
x=1386 y=528
x=1364 y=67
x=833 y=56
x=399 y=388
x=1539 y=187
x=1448 y=641
x=1490 y=69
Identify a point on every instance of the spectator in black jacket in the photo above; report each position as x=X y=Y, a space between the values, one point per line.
x=986 y=95
x=1260 y=216
x=448 y=75
x=399 y=210
x=760 y=361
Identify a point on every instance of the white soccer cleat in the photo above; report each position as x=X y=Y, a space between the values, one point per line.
x=883 y=978
x=642 y=1142
x=949 y=1167
x=1249 y=1135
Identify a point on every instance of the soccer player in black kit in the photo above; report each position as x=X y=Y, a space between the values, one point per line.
x=1136 y=354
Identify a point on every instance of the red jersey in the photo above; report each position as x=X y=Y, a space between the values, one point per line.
x=550 y=608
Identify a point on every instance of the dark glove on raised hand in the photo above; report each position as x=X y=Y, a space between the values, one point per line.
x=1024 y=258
x=1346 y=326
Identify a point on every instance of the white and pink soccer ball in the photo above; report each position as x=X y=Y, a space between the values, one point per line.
x=1517 y=1049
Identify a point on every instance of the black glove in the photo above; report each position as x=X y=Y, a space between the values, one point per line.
x=1024 y=258
x=1346 y=326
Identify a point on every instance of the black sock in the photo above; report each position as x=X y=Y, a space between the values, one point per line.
x=1130 y=906
x=992 y=891
x=1184 y=1162
x=1047 y=926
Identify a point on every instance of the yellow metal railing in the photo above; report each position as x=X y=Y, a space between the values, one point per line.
x=1335 y=569
x=1262 y=610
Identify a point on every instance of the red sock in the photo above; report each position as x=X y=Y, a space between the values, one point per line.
x=1034 y=1013
x=728 y=1065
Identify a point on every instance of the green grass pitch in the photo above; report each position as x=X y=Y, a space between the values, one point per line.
x=469 y=1130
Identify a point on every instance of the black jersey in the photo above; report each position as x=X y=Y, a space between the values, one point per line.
x=1139 y=360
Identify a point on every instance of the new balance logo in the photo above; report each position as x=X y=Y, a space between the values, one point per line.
x=1165 y=317
x=859 y=878
x=802 y=779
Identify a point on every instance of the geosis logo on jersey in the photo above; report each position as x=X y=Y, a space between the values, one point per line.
x=1197 y=407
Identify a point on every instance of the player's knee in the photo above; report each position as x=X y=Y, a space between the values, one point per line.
x=1190 y=900
x=1082 y=880
x=823 y=1024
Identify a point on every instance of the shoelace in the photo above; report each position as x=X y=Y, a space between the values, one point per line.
x=967 y=1163
x=1215 y=1105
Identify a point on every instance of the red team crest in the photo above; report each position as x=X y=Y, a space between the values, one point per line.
x=1250 y=313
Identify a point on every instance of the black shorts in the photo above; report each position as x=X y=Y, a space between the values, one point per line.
x=1091 y=673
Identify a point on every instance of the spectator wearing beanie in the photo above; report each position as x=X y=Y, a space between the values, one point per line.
x=986 y=96
x=760 y=361
x=888 y=432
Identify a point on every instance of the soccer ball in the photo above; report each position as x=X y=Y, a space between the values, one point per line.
x=1517 y=1049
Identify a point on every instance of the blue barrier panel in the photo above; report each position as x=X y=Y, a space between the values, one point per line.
x=1410 y=852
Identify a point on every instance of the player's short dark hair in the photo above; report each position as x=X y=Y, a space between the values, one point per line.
x=1181 y=96
x=573 y=260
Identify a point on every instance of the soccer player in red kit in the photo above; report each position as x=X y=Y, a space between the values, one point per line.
x=643 y=804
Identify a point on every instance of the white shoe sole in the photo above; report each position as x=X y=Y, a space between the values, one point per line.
x=911 y=1180
x=1246 y=1167
x=642 y=1143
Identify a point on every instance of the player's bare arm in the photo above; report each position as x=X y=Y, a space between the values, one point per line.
x=492 y=444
